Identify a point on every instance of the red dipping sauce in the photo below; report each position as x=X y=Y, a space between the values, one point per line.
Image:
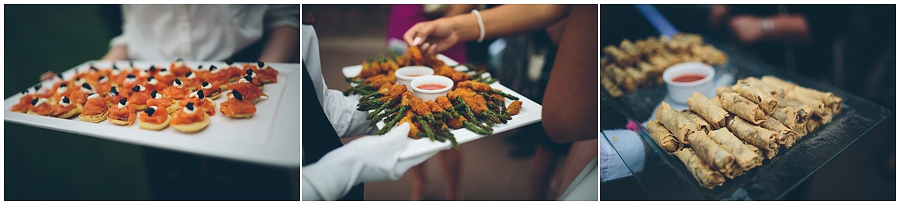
x=686 y=78
x=431 y=86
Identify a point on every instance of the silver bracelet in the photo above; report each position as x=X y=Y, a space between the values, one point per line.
x=480 y=25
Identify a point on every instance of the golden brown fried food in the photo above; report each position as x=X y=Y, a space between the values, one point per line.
x=456 y=123
x=444 y=102
x=474 y=85
x=413 y=128
x=419 y=107
x=514 y=108
x=435 y=108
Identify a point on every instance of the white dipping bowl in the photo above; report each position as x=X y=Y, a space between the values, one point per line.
x=405 y=75
x=427 y=95
x=681 y=91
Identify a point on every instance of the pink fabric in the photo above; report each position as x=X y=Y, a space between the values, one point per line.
x=404 y=16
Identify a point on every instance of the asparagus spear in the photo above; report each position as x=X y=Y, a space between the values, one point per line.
x=389 y=125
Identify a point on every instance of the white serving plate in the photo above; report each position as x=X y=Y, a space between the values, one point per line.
x=269 y=137
x=530 y=113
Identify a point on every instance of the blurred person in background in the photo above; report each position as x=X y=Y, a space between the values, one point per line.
x=568 y=106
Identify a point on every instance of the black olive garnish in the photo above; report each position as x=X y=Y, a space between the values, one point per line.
x=177 y=81
x=212 y=67
x=101 y=78
x=150 y=78
x=200 y=67
x=249 y=72
x=94 y=68
x=260 y=64
x=123 y=101
x=248 y=78
x=163 y=70
x=200 y=94
x=229 y=62
x=130 y=76
x=152 y=68
x=59 y=75
x=237 y=94
x=153 y=93
x=150 y=111
x=136 y=88
x=37 y=87
x=63 y=85
x=131 y=64
x=65 y=99
x=115 y=67
x=188 y=74
x=86 y=85
x=204 y=84
x=24 y=92
x=190 y=106
x=113 y=89
x=34 y=101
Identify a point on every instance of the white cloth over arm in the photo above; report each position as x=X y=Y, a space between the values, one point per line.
x=340 y=109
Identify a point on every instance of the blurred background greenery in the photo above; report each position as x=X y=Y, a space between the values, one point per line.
x=43 y=164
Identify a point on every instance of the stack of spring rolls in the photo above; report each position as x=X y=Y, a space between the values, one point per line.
x=642 y=63
x=733 y=132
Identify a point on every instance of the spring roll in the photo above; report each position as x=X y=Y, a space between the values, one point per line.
x=789 y=117
x=712 y=113
x=629 y=48
x=742 y=107
x=663 y=137
x=744 y=156
x=677 y=123
x=760 y=155
x=621 y=78
x=648 y=69
x=831 y=102
x=785 y=137
x=755 y=135
x=646 y=47
x=818 y=106
x=702 y=124
x=639 y=77
x=777 y=83
x=764 y=100
x=722 y=89
x=711 y=153
x=619 y=56
x=610 y=87
x=699 y=169
x=716 y=56
x=759 y=84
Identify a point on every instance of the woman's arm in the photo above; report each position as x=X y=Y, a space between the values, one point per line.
x=116 y=53
x=283 y=45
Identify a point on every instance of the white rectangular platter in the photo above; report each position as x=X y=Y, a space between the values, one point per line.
x=270 y=137
x=530 y=113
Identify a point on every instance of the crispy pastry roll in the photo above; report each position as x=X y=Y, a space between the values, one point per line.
x=756 y=151
x=785 y=137
x=701 y=171
x=757 y=136
x=610 y=86
x=648 y=69
x=710 y=151
x=759 y=84
x=663 y=137
x=621 y=78
x=789 y=117
x=629 y=48
x=764 y=100
x=818 y=106
x=712 y=113
x=742 y=107
x=702 y=124
x=619 y=56
x=637 y=75
x=722 y=89
x=743 y=155
x=660 y=62
x=677 y=123
x=831 y=102
x=777 y=83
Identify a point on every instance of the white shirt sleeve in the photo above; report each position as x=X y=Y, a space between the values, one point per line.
x=282 y=15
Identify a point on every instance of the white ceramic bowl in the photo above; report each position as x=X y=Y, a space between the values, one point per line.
x=405 y=75
x=681 y=91
x=431 y=94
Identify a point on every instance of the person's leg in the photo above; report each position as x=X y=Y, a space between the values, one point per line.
x=418 y=182
x=541 y=168
x=451 y=161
